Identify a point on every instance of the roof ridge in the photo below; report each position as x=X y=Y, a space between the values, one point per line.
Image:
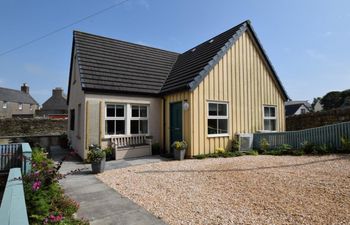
x=126 y=42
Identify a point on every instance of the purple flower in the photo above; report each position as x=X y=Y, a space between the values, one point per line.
x=36 y=185
x=36 y=173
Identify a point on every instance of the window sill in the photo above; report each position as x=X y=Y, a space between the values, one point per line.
x=217 y=135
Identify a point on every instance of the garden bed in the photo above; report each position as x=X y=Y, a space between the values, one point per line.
x=241 y=190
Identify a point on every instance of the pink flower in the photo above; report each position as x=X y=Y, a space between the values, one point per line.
x=36 y=185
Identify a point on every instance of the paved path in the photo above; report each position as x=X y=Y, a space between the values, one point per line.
x=99 y=203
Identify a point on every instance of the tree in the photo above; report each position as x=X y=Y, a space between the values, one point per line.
x=332 y=100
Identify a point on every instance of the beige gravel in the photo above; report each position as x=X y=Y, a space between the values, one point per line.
x=242 y=190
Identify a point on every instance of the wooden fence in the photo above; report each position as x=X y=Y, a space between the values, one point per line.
x=15 y=155
x=330 y=135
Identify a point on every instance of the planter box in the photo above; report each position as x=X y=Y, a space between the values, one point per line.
x=98 y=167
x=179 y=154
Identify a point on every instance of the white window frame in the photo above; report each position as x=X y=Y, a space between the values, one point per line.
x=124 y=118
x=4 y=104
x=31 y=107
x=218 y=117
x=20 y=106
x=270 y=118
x=130 y=118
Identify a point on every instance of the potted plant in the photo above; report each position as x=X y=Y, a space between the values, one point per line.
x=179 y=149
x=109 y=153
x=97 y=158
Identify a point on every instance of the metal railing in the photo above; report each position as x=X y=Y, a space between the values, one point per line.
x=15 y=155
x=330 y=135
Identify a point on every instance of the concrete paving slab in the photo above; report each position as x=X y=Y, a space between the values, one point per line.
x=100 y=204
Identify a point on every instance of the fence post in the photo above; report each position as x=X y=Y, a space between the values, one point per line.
x=27 y=156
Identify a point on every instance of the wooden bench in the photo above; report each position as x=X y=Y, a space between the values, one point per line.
x=130 y=146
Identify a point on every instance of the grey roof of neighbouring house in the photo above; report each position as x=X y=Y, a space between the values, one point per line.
x=55 y=103
x=291 y=109
x=11 y=95
x=109 y=65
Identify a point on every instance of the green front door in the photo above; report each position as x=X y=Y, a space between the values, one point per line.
x=175 y=122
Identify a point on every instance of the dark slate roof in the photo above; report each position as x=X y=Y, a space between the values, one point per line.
x=112 y=65
x=11 y=95
x=190 y=63
x=291 y=109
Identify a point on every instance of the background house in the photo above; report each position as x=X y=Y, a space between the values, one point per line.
x=205 y=96
x=14 y=103
x=317 y=106
x=293 y=108
x=56 y=106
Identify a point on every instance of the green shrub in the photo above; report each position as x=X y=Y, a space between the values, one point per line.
x=201 y=156
x=315 y=149
x=252 y=152
x=264 y=146
x=235 y=145
x=45 y=200
x=95 y=154
x=109 y=153
x=284 y=149
x=345 y=145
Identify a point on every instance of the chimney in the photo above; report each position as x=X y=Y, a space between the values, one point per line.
x=25 y=88
x=57 y=92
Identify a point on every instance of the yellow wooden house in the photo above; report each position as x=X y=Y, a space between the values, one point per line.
x=127 y=95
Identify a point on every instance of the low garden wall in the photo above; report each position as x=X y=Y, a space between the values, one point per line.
x=32 y=127
x=317 y=119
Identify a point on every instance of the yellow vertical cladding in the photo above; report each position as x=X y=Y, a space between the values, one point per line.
x=243 y=79
x=186 y=124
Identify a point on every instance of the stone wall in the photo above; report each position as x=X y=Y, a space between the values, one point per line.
x=32 y=127
x=317 y=119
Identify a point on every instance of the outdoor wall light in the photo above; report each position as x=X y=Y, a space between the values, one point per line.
x=185 y=105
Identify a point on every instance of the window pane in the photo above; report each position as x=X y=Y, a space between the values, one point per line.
x=272 y=111
x=120 y=110
x=110 y=124
x=266 y=112
x=213 y=109
x=135 y=111
x=222 y=110
x=143 y=111
x=273 y=124
x=212 y=126
x=266 y=124
x=144 y=126
x=134 y=126
x=120 y=127
x=222 y=126
x=110 y=110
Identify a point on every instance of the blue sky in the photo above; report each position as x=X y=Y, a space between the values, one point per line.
x=307 y=41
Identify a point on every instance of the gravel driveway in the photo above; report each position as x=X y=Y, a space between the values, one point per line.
x=241 y=190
